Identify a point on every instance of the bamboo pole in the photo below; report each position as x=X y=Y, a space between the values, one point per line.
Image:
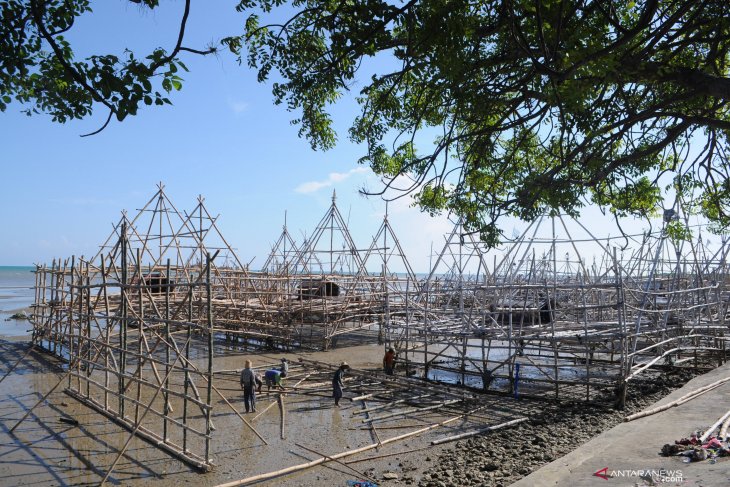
x=392 y=403
x=385 y=455
x=282 y=414
x=265 y=409
x=362 y=475
x=313 y=463
x=724 y=428
x=358 y=398
x=272 y=404
x=479 y=431
x=211 y=348
x=399 y=427
x=687 y=397
x=714 y=426
x=372 y=425
x=410 y=411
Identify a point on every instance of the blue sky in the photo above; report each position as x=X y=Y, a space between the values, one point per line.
x=223 y=138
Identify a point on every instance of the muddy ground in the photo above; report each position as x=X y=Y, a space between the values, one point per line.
x=47 y=451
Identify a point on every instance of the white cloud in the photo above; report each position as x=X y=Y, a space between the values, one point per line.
x=312 y=186
x=332 y=179
x=238 y=107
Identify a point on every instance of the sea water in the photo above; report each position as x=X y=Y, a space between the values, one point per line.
x=16 y=294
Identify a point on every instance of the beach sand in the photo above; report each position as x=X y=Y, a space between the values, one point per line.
x=46 y=451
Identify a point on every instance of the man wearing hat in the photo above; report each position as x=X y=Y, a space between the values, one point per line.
x=337 y=384
x=284 y=367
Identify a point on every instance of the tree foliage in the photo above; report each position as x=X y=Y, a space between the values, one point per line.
x=540 y=105
x=39 y=70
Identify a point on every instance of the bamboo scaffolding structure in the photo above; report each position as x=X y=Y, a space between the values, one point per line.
x=134 y=432
x=535 y=323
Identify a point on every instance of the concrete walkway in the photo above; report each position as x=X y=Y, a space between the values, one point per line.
x=634 y=446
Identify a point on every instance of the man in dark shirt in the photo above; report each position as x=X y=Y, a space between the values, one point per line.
x=389 y=361
x=337 y=384
x=248 y=384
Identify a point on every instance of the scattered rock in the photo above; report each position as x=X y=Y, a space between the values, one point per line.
x=390 y=475
x=503 y=457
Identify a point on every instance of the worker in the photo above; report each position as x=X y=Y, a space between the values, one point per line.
x=389 y=361
x=337 y=384
x=248 y=384
x=487 y=376
x=284 y=367
x=273 y=378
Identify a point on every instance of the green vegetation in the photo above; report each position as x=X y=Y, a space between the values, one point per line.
x=39 y=70
x=540 y=105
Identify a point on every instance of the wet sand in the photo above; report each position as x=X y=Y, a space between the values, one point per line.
x=11 y=327
x=46 y=451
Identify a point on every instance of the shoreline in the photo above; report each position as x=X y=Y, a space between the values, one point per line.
x=498 y=458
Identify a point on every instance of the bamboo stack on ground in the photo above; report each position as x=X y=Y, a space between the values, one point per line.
x=723 y=430
x=714 y=426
